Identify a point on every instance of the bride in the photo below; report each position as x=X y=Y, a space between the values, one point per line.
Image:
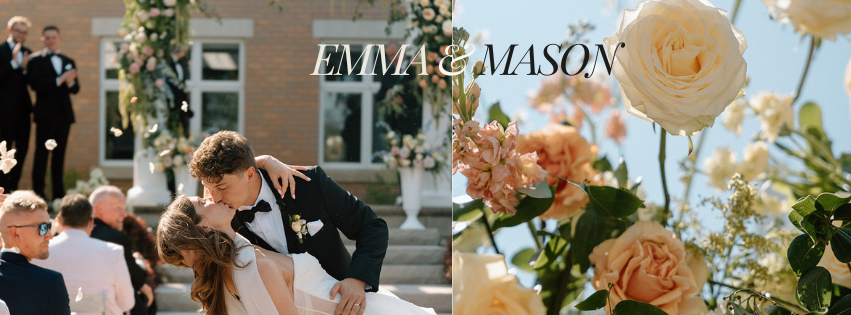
x=234 y=277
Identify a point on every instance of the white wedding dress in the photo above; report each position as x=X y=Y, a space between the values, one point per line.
x=312 y=285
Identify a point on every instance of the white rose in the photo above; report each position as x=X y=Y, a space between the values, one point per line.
x=142 y=15
x=296 y=227
x=169 y=3
x=734 y=115
x=482 y=285
x=682 y=64
x=425 y=3
x=822 y=18
x=720 y=167
x=774 y=112
x=755 y=162
x=447 y=28
x=428 y=14
x=428 y=162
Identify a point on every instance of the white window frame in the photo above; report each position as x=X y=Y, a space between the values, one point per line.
x=195 y=85
x=367 y=87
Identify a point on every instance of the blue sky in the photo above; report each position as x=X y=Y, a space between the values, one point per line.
x=775 y=59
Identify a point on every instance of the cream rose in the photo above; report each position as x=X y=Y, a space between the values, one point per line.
x=481 y=285
x=839 y=272
x=720 y=167
x=774 y=112
x=822 y=18
x=682 y=63
x=648 y=263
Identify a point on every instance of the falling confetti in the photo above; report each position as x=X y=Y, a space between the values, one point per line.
x=180 y=189
x=165 y=152
x=50 y=144
x=184 y=107
x=133 y=100
x=117 y=132
x=79 y=295
x=154 y=128
x=151 y=166
x=7 y=158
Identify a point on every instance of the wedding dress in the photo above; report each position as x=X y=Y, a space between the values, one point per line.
x=311 y=287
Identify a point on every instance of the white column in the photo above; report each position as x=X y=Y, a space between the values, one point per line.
x=437 y=187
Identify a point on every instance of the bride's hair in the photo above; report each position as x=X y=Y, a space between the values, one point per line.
x=178 y=230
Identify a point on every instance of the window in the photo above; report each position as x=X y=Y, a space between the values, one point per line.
x=350 y=131
x=216 y=96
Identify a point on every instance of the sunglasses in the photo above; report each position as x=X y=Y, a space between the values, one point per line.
x=43 y=228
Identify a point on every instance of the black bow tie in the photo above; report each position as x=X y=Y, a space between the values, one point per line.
x=248 y=215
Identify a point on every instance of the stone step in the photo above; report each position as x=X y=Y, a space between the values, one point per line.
x=411 y=254
x=390 y=274
x=173 y=299
x=407 y=237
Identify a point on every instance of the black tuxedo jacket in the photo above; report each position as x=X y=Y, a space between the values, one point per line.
x=103 y=232
x=14 y=97
x=52 y=103
x=30 y=289
x=322 y=199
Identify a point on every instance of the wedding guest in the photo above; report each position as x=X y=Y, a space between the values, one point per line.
x=144 y=245
x=15 y=103
x=25 y=229
x=109 y=205
x=88 y=265
x=53 y=76
x=180 y=65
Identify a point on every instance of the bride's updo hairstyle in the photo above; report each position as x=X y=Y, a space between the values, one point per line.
x=178 y=230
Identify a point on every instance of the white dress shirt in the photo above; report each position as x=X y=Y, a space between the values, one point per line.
x=93 y=265
x=268 y=225
x=56 y=61
x=4 y=310
x=178 y=68
x=20 y=53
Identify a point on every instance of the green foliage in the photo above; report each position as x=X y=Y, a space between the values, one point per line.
x=814 y=290
x=525 y=259
x=610 y=202
x=595 y=301
x=630 y=307
x=590 y=232
x=776 y=310
x=528 y=209
x=495 y=113
x=803 y=254
x=841 y=307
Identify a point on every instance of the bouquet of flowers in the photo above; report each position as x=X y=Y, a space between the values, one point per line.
x=434 y=19
x=411 y=151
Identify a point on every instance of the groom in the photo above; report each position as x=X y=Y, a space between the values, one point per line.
x=225 y=164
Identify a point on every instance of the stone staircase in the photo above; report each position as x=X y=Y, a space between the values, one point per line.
x=413 y=266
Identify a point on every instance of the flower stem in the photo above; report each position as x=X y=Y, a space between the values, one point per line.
x=695 y=155
x=806 y=68
x=590 y=124
x=752 y=291
x=563 y=280
x=490 y=232
x=735 y=11
x=534 y=234
x=666 y=210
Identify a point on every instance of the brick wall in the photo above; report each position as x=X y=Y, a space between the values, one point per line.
x=281 y=99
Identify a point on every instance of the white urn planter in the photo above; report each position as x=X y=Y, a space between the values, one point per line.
x=182 y=176
x=149 y=186
x=411 y=179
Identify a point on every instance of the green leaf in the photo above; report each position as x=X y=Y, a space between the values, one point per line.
x=590 y=232
x=843 y=213
x=809 y=115
x=804 y=206
x=541 y=190
x=777 y=310
x=630 y=307
x=841 y=245
x=621 y=174
x=841 y=307
x=815 y=289
x=612 y=202
x=796 y=219
x=528 y=209
x=804 y=254
x=496 y=113
x=830 y=202
x=595 y=301
x=603 y=165
x=463 y=208
x=523 y=258
x=554 y=247
x=845 y=160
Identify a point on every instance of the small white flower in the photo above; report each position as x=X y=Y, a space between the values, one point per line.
x=734 y=115
x=720 y=167
x=50 y=144
x=775 y=111
x=755 y=162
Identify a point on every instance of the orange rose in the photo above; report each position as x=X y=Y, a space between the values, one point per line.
x=648 y=263
x=561 y=151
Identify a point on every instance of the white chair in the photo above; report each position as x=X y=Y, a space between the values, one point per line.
x=89 y=303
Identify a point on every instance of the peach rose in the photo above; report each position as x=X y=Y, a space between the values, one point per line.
x=482 y=285
x=648 y=263
x=838 y=271
x=682 y=63
x=822 y=18
x=561 y=151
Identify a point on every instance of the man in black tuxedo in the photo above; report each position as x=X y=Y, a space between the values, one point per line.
x=53 y=76
x=108 y=209
x=225 y=164
x=180 y=65
x=27 y=288
x=15 y=103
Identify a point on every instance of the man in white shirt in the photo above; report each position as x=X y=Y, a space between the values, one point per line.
x=89 y=265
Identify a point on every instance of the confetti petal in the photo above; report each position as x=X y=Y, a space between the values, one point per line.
x=50 y=144
x=133 y=100
x=117 y=132
x=165 y=152
x=154 y=128
x=184 y=107
x=180 y=189
x=7 y=165
x=79 y=295
x=151 y=167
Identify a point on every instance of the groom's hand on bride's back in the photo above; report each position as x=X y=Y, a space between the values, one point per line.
x=353 y=301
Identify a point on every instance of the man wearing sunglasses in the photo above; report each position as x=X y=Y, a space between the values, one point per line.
x=25 y=229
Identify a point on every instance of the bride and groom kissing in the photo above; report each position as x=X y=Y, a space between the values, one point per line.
x=255 y=250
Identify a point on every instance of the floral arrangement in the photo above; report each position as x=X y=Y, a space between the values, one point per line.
x=173 y=152
x=410 y=151
x=784 y=244
x=96 y=179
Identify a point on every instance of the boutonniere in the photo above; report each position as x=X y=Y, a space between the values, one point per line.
x=299 y=226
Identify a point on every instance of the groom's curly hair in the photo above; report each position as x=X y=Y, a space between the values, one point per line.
x=225 y=152
x=178 y=230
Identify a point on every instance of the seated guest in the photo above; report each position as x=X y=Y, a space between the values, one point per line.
x=108 y=206
x=27 y=288
x=87 y=264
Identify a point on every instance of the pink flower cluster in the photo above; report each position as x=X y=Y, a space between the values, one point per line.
x=494 y=169
x=594 y=93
